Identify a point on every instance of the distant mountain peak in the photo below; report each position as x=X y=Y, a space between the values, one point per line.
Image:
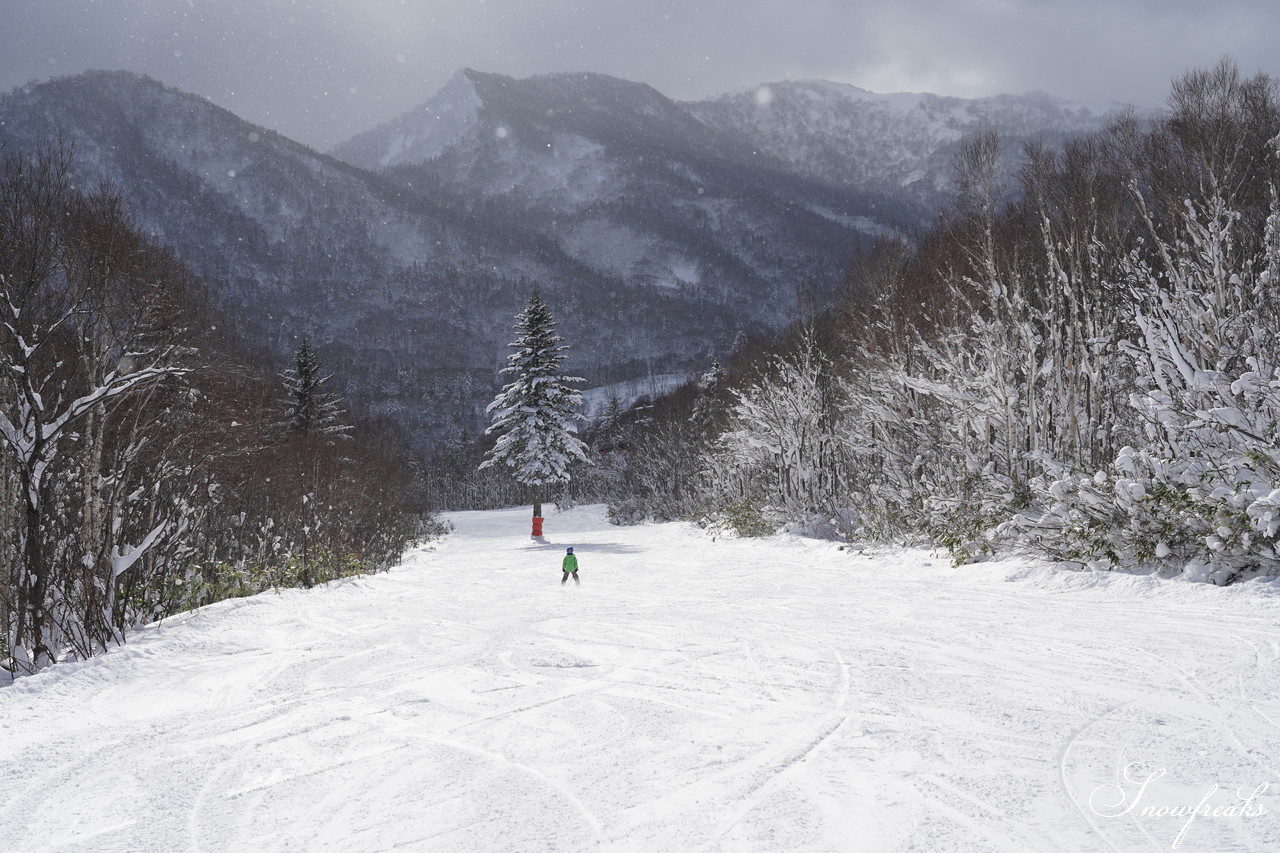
x=475 y=106
x=424 y=132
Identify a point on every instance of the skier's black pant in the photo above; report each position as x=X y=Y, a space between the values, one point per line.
x=566 y=577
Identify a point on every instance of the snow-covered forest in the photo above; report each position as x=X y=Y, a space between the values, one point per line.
x=148 y=465
x=1082 y=362
x=1086 y=363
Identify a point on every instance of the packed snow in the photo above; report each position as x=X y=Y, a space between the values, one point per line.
x=693 y=693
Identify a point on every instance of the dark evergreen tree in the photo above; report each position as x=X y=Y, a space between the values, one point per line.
x=610 y=434
x=708 y=405
x=534 y=416
x=310 y=408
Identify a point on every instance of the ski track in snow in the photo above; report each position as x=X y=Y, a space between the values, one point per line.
x=691 y=694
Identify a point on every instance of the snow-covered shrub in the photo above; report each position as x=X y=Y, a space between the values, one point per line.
x=967 y=525
x=1111 y=519
x=781 y=448
x=1198 y=495
x=746 y=518
x=888 y=437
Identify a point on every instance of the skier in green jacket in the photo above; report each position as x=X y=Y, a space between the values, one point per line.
x=570 y=567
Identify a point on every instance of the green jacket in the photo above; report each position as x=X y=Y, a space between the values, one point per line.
x=570 y=563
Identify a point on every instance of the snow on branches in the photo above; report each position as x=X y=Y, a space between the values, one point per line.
x=535 y=415
x=310 y=407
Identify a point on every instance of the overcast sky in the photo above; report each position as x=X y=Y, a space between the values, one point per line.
x=322 y=70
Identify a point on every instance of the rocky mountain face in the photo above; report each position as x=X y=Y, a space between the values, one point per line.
x=657 y=231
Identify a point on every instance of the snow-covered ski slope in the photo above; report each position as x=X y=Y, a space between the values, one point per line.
x=691 y=694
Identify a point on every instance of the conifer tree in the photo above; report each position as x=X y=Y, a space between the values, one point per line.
x=708 y=403
x=311 y=409
x=534 y=415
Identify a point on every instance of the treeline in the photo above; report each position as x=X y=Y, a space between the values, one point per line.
x=148 y=465
x=1084 y=361
x=453 y=477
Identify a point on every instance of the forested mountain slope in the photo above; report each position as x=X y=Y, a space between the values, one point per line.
x=898 y=144
x=408 y=286
x=658 y=231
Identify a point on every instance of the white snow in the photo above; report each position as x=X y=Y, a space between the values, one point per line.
x=595 y=401
x=691 y=694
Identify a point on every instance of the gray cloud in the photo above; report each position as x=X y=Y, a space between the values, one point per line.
x=321 y=70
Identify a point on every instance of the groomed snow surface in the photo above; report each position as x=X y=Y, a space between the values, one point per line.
x=691 y=694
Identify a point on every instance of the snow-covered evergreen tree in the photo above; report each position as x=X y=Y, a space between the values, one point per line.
x=310 y=408
x=534 y=415
x=611 y=440
x=708 y=403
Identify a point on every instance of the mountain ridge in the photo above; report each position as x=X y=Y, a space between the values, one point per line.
x=659 y=237
x=889 y=143
x=872 y=142
x=406 y=281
